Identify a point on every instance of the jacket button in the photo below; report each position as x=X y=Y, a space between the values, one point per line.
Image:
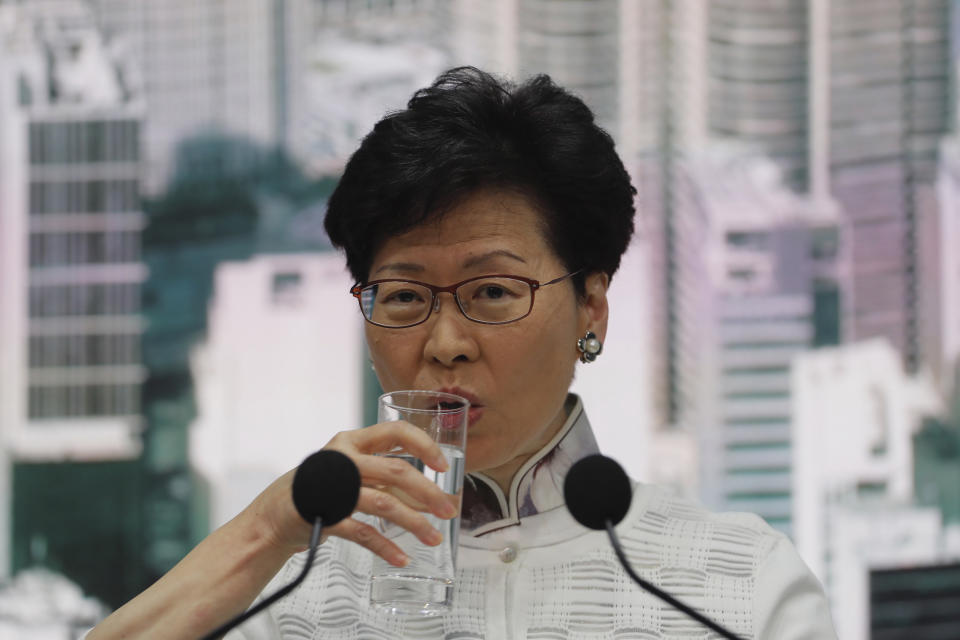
x=508 y=554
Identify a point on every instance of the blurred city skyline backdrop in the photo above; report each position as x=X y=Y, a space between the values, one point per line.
x=175 y=330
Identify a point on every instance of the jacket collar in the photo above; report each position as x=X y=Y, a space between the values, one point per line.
x=537 y=487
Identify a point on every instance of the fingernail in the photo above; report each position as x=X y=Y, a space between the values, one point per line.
x=435 y=538
x=400 y=560
x=448 y=510
x=440 y=463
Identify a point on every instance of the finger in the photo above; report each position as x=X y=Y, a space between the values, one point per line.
x=454 y=499
x=368 y=537
x=389 y=507
x=387 y=436
x=405 y=497
x=404 y=481
x=398 y=476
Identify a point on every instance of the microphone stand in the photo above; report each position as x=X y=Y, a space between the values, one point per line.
x=663 y=595
x=263 y=604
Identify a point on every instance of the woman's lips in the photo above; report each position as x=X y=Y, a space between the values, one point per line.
x=473 y=415
x=476 y=409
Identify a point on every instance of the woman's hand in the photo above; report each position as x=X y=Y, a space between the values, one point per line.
x=222 y=575
x=391 y=489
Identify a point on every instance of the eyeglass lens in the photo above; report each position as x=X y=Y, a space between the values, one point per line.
x=491 y=300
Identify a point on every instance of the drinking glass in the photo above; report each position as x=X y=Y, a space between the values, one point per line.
x=425 y=585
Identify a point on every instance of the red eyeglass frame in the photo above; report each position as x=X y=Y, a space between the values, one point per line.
x=357 y=290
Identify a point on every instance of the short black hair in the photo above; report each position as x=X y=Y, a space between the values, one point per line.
x=470 y=131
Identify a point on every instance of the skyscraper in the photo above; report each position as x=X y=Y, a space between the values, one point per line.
x=224 y=65
x=849 y=97
x=269 y=309
x=855 y=416
x=70 y=264
x=948 y=281
x=758 y=277
x=758 y=76
x=591 y=48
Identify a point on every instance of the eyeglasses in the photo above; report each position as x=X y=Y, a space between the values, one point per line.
x=494 y=299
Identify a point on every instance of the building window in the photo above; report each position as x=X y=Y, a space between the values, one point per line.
x=286 y=288
x=881 y=414
x=84 y=196
x=84 y=300
x=67 y=249
x=85 y=142
x=826 y=313
x=84 y=350
x=754 y=240
x=80 y=401
x=824 y=244
x=24 y=92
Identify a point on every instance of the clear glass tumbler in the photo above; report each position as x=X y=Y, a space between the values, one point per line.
x=425 y=585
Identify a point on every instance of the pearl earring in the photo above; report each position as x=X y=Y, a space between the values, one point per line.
x=590 y=347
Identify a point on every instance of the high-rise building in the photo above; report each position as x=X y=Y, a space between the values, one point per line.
x=850 y=98
x=382 y=18
x=223 y=85
x=594 y=49
x=266 y=70
x=855 y=416
x=234 y=67
x=279 y=311
x=671 y=129
x=370 y=77
x=758 y=73
x=867 y=536
x=948 y=271
x=758 y=283
x=70 y=322
x=889 y=87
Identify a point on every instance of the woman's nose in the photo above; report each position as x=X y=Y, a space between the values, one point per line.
x=451 y=337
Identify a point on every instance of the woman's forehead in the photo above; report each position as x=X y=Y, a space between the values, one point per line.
x=492 y=227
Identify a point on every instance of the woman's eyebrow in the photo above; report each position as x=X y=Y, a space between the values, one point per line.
x=407 y=267
x=482 y=259
x=473 y=261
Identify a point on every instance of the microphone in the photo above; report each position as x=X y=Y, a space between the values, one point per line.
x=326 y=487
x=597 y=489
x=598 y=495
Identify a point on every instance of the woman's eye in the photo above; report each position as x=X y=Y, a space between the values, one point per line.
x=495 y=291
x=403 y=297
x=492 y=292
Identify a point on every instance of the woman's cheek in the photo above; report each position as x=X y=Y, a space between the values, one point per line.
x=393 y=360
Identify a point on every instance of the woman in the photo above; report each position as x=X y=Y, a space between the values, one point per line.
x=475 y=179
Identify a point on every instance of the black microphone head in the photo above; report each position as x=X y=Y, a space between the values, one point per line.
x=597 y=489
x=326 y=484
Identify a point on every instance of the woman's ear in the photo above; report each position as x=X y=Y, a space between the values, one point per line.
x=594 y=309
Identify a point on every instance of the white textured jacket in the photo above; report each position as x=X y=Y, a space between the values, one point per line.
x=527 y=570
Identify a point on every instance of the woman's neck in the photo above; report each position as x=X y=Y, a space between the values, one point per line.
x=503 y=475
